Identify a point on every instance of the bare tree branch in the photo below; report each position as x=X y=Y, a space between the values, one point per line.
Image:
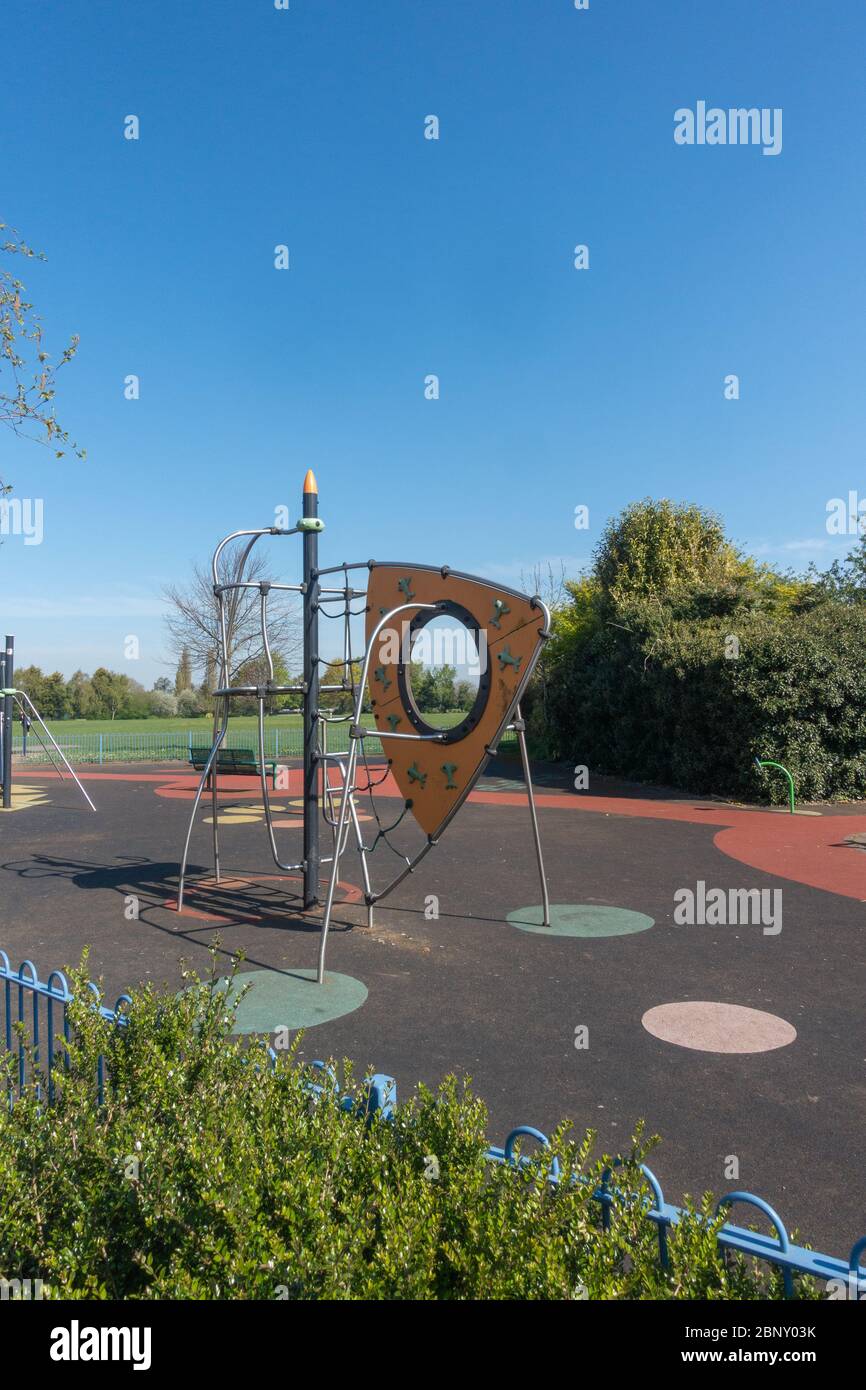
x=193 y=621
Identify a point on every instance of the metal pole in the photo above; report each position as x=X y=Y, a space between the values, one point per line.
x=2 y=740
x=311 y=695
x=520 y=727
x=25 y=700
x=8 y=683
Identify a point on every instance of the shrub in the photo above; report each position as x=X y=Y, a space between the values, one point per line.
x=656 y=697
x=206 y=1174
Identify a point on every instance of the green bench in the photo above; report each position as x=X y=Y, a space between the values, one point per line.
x=234 y=762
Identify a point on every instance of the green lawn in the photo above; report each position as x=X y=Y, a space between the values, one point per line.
x=199 y=727
x=169 y=740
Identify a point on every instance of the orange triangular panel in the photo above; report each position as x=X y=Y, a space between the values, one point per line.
x=435 y=777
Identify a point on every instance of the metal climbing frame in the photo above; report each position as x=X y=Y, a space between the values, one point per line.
x=12 y=699
x=342 y=819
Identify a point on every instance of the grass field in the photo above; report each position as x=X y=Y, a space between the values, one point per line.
x=200 y=727
x=170 y=740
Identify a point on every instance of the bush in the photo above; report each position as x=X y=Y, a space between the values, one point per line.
x=162 y=703
x=205 y=1174
x=665 y=699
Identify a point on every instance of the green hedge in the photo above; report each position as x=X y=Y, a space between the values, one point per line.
x=208 y=1175
x=654 y=697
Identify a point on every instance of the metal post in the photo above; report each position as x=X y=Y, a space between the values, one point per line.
x=8 y=684
x=2 y=687
x=520 y=727
x=311 y=696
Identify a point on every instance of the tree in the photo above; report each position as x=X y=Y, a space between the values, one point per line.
x=163 y=685
x=183 y=675
x=655 y=547
x=335 y=673
x=28 y=387
x=192 y=622
x=82 y=699
x=189 y=704
x=255 y=672
x=111 y=692
x=163 y=703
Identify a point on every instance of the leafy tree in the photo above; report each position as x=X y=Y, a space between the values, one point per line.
x=183 y=675
x=27 y=383
x=83 y=703
x=111 y=692
x=163 y=703
x=464 y=695
x=189 y=704
x=340 y=701
x=163 y=685
x=656 y=547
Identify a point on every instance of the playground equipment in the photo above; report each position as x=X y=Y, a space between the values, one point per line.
x=434 y=768
x=31 y=721
x=767 y=762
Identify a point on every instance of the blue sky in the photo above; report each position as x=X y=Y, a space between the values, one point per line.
x=412 y=257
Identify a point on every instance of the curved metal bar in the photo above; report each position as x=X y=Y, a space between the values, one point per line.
x=349 y=779
x=265 y=643
x=266 y=794
x=201 y=786
x=749 y=1199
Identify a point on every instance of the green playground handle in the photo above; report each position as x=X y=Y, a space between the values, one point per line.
x=766 y=762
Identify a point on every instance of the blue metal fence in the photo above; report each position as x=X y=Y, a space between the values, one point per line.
x=24 y=994
x=40 y=1007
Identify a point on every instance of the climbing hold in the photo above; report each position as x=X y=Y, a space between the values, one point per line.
x=500 y=608
x=506 y=659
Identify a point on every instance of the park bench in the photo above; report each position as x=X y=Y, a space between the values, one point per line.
x=234 y=762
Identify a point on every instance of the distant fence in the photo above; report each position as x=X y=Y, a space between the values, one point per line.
x=27 y=999
x=174 y=745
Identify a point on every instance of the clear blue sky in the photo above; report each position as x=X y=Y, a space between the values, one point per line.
x=409 y=257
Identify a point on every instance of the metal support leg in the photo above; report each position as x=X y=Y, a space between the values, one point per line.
x=520 y=729
x=195 y=805
x=362 y=848
x=335 y=865
x=23 y=700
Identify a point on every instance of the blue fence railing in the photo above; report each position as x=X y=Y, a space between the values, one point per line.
x=27 y=1000
x=40 y=1007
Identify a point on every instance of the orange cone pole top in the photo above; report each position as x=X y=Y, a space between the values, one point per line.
x=310 y=484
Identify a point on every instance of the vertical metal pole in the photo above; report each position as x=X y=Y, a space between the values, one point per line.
x=9 y=682
x=2 y=731
x=311 y=696
x=520 y=727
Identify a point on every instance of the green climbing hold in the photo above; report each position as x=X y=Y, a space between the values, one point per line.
x=405 y=585
x=394 y=720
x=500 y=608
x=416 y=775
x=449 y=769
x=381 y=675
x=506 y=659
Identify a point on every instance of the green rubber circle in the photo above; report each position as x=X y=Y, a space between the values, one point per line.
x=580 y=919
x=291 y=999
